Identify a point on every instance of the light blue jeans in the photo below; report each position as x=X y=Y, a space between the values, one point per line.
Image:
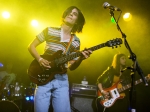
x=58 y=90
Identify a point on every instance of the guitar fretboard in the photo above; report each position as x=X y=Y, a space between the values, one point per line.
x=129 y=85
x=77 y=54
x=110 y=43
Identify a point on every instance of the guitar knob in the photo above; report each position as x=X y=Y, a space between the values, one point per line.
x=47 y=75
x=43 y=75
x=39 y=79
x=39 y=75
x=43 y=79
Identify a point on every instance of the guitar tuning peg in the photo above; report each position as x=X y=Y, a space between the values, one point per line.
x=116 y=46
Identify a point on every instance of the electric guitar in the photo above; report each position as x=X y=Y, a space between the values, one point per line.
x=114 y=92
x=40 y=75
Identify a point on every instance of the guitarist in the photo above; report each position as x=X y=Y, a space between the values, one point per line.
x=111 y=76
x=57 y=38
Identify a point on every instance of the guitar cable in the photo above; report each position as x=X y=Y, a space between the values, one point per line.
x=104 y=109
x=74 y=109
x=97 y=106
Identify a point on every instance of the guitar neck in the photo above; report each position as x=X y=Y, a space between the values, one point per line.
x=129 y=85
x=77 y=54
x=110 y=43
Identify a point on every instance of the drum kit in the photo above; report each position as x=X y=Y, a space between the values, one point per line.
x=14 y=96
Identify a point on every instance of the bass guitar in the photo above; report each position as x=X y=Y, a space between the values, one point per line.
x=114 y=92
x=40 y=75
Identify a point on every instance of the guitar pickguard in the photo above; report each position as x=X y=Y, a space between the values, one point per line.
x=114 y=96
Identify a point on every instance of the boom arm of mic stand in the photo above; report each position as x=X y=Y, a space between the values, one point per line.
x=140 y=72
x=133 y=56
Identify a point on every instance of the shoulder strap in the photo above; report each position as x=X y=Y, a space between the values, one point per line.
x=68 y=47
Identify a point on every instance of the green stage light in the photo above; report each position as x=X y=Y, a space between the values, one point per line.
x=113 y=20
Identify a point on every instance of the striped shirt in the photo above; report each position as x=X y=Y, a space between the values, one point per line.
x=52 y=36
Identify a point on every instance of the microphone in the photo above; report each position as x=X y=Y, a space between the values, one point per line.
x=106 y=5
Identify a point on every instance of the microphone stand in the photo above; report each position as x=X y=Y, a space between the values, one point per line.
x=135 y=67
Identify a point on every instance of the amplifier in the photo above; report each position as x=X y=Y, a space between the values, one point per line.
x=84 y=90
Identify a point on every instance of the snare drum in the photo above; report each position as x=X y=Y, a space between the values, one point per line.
x=8 y=106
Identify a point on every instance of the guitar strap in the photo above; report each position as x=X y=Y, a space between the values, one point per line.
x=68 y=46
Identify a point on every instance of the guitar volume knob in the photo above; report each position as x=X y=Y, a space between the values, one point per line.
x=39 y=75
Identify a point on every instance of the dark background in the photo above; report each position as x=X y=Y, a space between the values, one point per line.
x=16 y=33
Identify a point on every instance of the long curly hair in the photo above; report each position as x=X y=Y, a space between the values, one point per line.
x=80 y=21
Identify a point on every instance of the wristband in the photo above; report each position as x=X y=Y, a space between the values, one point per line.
x=102 y=91
x=40 y=59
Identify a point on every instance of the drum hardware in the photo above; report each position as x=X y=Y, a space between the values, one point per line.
x=13 y=92
x=8 y=106
x=4 y=98
x=5 y=94
x=16 y=97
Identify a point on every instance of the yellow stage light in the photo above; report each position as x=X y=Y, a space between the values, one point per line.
x=34 y=23
x=127 y=16
x=6 y=15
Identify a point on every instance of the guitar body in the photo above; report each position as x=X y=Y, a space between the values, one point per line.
x=40 y=75
x=114 y=95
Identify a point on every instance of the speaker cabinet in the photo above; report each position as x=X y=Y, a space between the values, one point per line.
x=83 y=104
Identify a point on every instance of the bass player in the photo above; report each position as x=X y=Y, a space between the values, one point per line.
x=107 y=79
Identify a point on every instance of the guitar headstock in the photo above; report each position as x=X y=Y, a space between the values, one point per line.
x=114 y=42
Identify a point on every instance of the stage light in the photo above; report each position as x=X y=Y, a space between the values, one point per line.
x=127 y=16
x=1 y=65
x=113 y=20
x=31 y=97
x=27 y=98
x=6 y=15
x=34 y=23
